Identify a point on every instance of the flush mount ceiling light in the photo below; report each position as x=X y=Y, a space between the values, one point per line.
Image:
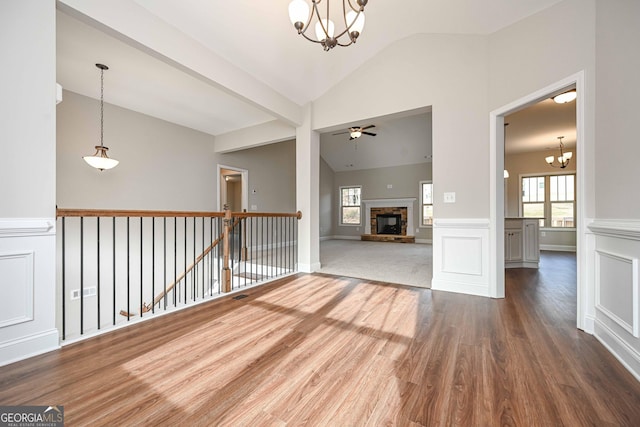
x=565 y=97
x=100 y=160
x=352 y=17
x=563 y=158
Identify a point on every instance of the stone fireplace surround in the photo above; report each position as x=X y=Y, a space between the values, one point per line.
x=387 y=206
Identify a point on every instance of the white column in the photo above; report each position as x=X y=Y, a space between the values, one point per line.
x=308 y=194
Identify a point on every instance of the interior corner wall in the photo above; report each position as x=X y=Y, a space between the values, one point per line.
x=328 y=210
x=27 y=174
x=272 y=175
x=162 y=166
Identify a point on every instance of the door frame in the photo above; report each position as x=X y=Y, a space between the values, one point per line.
x=497 y=192
x=244 y=177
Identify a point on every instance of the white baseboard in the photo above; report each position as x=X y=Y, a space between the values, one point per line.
x=344 y=238
x=459 y=287
x=625 y=354
x=424 y=241
x=559 y=248
x=28 y=346
x=308 y=268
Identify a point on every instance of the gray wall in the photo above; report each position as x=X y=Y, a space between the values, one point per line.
x=163 y=166
x=272 y=175
x=404 y=179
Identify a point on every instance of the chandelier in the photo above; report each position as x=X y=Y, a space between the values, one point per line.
x=352 y=17
x=563 y=158
x=100 y=160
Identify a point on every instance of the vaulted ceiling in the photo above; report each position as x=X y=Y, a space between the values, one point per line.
x=257 y=38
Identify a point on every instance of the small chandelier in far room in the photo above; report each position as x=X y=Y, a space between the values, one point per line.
x=563 y=158
x=352 y=16
x=100 y=160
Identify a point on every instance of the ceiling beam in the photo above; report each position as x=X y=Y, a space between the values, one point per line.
x=136 y=26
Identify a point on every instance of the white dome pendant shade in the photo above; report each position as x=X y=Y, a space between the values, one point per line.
x=100 y=160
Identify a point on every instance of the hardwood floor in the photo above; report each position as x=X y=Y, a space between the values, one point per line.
x=322 y=350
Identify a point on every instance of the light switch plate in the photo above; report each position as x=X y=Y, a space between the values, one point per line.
x=450 y=197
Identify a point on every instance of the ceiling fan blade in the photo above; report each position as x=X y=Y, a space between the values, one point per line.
x=369 y=133
x=340 y=133
x=368 y=127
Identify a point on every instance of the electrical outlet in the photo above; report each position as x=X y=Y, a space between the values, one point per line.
x=543 y=234
x=389 y=186
x=88 y=292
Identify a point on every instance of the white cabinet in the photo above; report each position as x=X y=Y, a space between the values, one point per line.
x=521 y=242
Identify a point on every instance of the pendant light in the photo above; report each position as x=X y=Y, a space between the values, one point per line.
x=100 y=160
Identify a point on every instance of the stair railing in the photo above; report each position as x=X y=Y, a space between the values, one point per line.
x=110 y=260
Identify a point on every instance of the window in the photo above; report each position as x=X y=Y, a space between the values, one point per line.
x=350 y=205
x=426 y=200
x=562 y=197
x=551 y=197
x=533 y=196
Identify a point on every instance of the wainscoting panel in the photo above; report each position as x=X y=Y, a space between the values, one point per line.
x=27 y=288
x=16 y=304
x=460 y=256
x=617 y=300
x=616 y=280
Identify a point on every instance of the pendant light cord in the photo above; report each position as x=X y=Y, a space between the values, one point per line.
x=101 y=107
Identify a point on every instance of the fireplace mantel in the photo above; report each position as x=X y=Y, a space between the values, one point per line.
x=389 y=203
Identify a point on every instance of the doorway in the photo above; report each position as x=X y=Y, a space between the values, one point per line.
x=497 y=187
x=232 y=188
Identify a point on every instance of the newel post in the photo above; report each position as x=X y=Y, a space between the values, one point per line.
x=226 y=271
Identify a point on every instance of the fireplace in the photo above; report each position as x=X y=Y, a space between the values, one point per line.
x=389 y=224
x=389 y=220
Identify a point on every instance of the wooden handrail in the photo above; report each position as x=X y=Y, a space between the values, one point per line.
x=132 y=213
x=159 y=214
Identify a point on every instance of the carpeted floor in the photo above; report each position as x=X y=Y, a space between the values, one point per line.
x=403 y=263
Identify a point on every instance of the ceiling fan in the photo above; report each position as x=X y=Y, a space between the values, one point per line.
x=357 y=131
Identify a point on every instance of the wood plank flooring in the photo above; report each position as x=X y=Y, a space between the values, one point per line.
x=322 y=350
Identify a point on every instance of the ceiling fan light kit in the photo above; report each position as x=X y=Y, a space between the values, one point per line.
x=352 y=16
x=357 y=131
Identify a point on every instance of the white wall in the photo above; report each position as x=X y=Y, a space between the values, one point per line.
x=327 y=217
x=616 y=228
x=27 y=174
x=448 y=72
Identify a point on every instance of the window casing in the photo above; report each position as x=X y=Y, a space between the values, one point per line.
x=551 y=197
x=426 y=202
x=350 y=205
